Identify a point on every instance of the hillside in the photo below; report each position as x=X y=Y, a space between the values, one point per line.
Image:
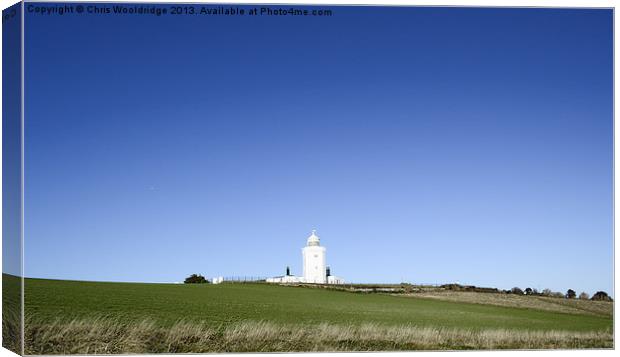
x=227 y=310
x=545 y=303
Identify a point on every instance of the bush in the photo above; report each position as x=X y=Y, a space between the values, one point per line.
x=196 y=279
x=453 y=287
x=528 y=291
x=584 y=296
x=571 y=294
x=516 y=290
x=547 y=292
x=601 y=296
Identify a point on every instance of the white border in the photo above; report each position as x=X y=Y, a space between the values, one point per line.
x=483 y=3
x=22 y=186
x=474 y=3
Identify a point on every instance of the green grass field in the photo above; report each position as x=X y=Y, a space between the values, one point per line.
x=220 y=310
x=228 y=303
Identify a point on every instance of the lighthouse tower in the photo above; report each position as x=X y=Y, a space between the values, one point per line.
x=315 y=266
x=314 y=261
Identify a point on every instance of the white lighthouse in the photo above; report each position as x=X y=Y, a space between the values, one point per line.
x=315 y=266
x=315 y=269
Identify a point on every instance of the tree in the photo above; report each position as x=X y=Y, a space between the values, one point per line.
x=528 y=291
x=571 y=294
x=547 y=292
x=288 y=271
x=535 y=292
x=196 y=279
x=557 y=294
x=516 y=290
x=584 y=296
x=601 y=296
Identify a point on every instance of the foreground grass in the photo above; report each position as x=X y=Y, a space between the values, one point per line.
x=11 y=313
x=72 y=317
x=106 y=336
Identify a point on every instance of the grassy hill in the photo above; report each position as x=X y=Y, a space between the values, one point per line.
x=546 y=303
x=227 y=317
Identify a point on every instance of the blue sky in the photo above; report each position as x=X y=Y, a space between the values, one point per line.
x=429 y=145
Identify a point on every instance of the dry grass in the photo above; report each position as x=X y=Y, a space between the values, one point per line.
x=109 y=336
x=11 y=329
x=602 y=308
x=570 y=306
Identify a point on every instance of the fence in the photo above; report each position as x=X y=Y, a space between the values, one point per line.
x=255 y=279
x=245 y=279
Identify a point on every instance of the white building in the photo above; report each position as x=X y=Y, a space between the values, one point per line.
x=315 y=266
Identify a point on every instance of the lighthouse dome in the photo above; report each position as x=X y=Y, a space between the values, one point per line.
x=313 y=240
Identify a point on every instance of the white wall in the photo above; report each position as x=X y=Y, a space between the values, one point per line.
x=287 y=279
x=334 y=280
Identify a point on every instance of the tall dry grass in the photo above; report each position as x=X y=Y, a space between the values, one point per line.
x=11 y=329
x=109 y=336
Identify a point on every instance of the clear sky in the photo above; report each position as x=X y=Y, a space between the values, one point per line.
x=428 y=145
